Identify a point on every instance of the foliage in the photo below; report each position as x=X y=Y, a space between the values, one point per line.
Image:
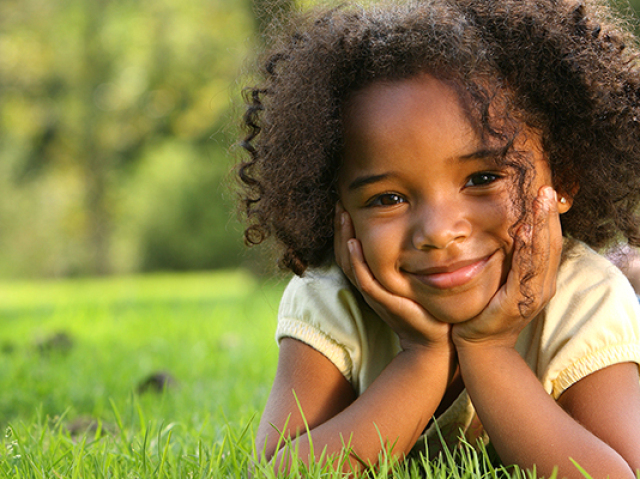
x=73 y=408
x=107 y=109
x=631 y=11
x=114 y=132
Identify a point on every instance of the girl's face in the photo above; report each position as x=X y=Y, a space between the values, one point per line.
x=427 y=200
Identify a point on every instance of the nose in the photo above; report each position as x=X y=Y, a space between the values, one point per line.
x=440 y=224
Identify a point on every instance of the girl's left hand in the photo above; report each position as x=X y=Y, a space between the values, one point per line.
x=530 y=283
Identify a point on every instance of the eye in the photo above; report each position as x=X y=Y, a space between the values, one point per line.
x=386 y=199
x=482 y=178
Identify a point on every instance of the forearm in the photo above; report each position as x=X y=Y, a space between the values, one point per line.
x=525 y=424
x=393 y=411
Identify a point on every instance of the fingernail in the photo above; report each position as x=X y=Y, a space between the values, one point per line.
x=551 y=194
x=343 y=218
x=351 y=246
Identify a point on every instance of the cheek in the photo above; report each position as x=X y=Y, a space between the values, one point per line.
x=498 y=223
x=380 y=245
x=497 y=218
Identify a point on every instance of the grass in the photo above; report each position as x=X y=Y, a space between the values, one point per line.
x=74 y=353
x=77 y=355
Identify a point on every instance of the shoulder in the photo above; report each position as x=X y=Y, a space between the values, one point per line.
x=583 y=272
x=592 y=322
x=592 y=293
x=321 y=310
x=324 y=289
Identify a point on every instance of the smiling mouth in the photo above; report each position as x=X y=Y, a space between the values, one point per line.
x=452 y=276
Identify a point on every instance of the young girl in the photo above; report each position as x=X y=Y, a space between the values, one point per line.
x=433 y=171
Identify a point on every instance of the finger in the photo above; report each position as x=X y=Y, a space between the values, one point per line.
x=343 y=232
x=522 y=291
x=538 y=255
x=362 y=274
x=338 y=242
x=412 y=323
x=547 y=244
x=511 y=295
x=367 y=283
x=556 y=242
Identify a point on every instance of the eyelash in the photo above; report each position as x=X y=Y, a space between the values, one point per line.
x=486 y=177
x=378 y=200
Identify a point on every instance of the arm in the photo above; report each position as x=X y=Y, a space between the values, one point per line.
x=415 y=379
x=607 y=403
x=319 y=386
x=526 y=426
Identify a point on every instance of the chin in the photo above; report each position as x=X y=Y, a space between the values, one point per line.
x=458 y=312
x=452 y=319
x=460 y=305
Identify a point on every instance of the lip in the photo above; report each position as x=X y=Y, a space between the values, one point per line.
x=453 y=275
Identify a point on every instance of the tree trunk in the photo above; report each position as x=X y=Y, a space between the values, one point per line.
x=96 y=164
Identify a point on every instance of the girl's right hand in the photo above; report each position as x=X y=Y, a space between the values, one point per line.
x=411 y=322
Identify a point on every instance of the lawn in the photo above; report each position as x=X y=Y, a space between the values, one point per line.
x=149 y=377
x=83 y=362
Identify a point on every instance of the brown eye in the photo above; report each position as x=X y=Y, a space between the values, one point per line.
x=482 y=178
x=387 y=199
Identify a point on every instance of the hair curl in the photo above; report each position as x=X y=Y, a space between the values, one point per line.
x=568 y=69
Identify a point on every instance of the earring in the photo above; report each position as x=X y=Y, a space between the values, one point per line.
x=563 y=200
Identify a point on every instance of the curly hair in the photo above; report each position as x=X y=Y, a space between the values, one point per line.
x=569 y=70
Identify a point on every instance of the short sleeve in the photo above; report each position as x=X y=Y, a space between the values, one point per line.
x=592 y=322
x=321 y=310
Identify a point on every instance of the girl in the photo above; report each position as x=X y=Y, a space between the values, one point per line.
x=432 y=172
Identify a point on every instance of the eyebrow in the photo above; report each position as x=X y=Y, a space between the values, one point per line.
x=484 y=154
x=363 y=181
x=481 y=154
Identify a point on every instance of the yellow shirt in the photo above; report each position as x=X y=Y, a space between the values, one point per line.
x=592 y=322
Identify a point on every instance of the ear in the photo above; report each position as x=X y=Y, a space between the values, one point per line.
x=565 y=199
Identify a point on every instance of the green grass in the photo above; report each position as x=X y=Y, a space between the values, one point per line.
x=73 y=354
x=213 y=333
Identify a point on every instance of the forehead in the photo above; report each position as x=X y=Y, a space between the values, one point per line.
x=392 y=116
x=380 y=103
x=423 y=122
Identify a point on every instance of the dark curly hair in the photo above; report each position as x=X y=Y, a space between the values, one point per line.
x=564 y=68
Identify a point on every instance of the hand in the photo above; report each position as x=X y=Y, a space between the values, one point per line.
x=531 y=281
x=410 y=321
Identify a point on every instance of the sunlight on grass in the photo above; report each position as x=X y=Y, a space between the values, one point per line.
x=69 y=347
x=160 y=376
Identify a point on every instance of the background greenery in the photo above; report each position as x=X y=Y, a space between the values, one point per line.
x=74 y=354
x=114 y=133
x=116 y=119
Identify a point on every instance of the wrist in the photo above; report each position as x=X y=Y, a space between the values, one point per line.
x=504 y=341
x=431 y=356
x=472 y=353
x=444 y=348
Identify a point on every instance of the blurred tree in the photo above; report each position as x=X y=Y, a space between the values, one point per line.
x=88 y=89
x=631 y=10
x=113 y=131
